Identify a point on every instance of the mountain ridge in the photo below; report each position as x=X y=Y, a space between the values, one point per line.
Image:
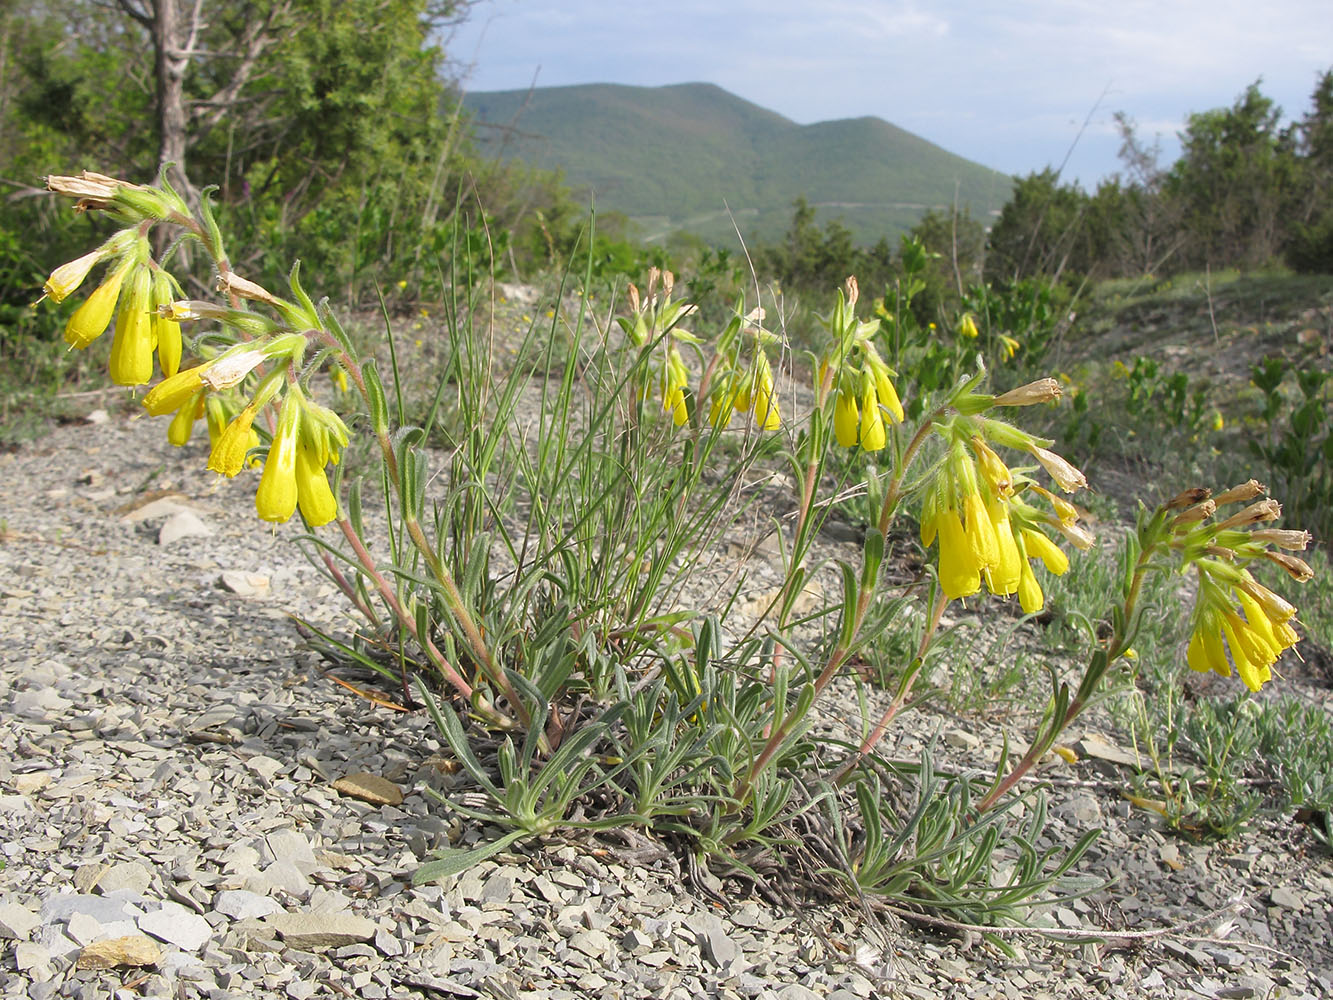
x=681 y=153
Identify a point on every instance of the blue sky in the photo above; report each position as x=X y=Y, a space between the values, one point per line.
x=1009 y=85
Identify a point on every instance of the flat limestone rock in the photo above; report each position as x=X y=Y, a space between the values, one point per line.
x=321 y=930
x=131 y=950
x=370 y=788
x=182 y=524
x=176 y=925
x=244 y=584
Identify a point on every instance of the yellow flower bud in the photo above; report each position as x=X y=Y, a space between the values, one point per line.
x=182 y=424
x=980 y=532
x=1003 y=578
x=228 y=455
x=166 y=330
x=1040 y=547
x=1030 y=597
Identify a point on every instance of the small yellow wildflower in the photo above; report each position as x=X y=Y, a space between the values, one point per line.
x=132 y=348
x=846 y=419
x=276 y=498
x=229 y=450
x=873 y=437
x=90 y=320
x=960 y=576
x=315 y=498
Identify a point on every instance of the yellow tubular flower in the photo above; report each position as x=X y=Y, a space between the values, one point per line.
x=1274 y=634
x=1215 y=652
x=132 y=348
x=166 y=330
x=1030 y=597
x=884 y=390
x=993 y=470
x=182 y=424
x=873 y=437
x=1205 y=653
x=846 y=421
x=1249 y=659
x=318 y=505
x=90 y=320
x=228 y=455
x=967 y=326
x=765 y=405
x=169 y=394
x=721 y=406
x=980 y=532
x=960 y=576
x=1003 y=578
x=674 y=380
x=276 y=498
x=1040 y=547
x=1064 y=510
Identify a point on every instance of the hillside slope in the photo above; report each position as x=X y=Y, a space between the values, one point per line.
x=680 y=156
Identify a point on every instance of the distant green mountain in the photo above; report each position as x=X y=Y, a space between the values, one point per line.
x=679 y=157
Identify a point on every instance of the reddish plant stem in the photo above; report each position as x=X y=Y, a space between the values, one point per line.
x=843 y=650
x=340 y=580
x=899 y=699
x=1115 y=649
x=367 y=561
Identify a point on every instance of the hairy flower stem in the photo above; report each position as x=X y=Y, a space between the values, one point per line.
x=453 y=598
x=843 y=650
x=1092 y=677
x=343 y=584
x=437 y=658
x=900 y=699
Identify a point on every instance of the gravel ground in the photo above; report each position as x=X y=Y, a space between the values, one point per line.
x=189 y=808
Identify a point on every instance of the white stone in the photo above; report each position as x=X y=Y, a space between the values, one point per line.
x=240 y=904
x=182 y=524
x=176 y=925
x=17 y=921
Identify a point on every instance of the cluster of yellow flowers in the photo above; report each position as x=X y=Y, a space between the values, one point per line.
x=741 y=386
x=131 y=291
x=307 y=437
x=737 y=386
x=1233 y=612
x=861 y=383
x=977 y=508
x=144 y=300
